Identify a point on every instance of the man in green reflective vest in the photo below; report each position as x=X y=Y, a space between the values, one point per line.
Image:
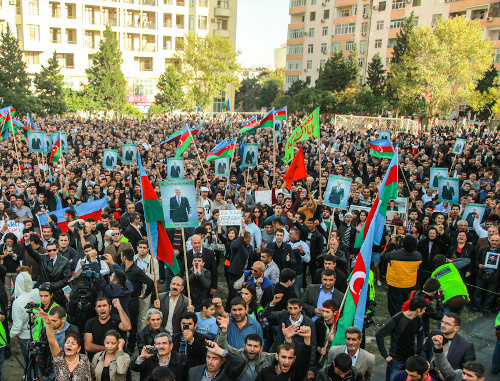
x=3 y=337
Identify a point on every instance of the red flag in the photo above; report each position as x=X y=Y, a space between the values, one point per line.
x=297 y=169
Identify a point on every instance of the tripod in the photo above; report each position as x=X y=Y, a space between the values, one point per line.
x=31 y=372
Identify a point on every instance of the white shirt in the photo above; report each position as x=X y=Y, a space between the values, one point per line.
x=171 y=307
x=354 y=358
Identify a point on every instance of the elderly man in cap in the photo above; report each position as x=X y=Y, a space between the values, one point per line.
x=202 y=201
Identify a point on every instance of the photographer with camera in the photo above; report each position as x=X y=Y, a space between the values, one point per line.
x=190 y=342
x=54 y=269
x=12 y=254
x=57 y=316
x=47 y=303
x=160 y=355
x=91 y=256
x=83 y=232
x=27 y=298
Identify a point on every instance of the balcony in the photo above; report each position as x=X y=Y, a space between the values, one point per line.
x=91 y=20
x=56 y=41
x=130 y=48
x=222 y=33
x=179 y=26
x=167 y=24
x=133 y=1
x=133 y=24
x=149 y=25
x=90 y=44
x=149 y=2
x=111 y=22
x=148 y=48
x=222 y=12
x=71 y=17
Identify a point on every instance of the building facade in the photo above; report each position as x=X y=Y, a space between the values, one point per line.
x=319 y=27
x=149 y=33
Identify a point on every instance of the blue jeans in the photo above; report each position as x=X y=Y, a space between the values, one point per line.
x=297 y=285
x=489 y=297
x=393 y=367
x=23 y=344
x=495 y=367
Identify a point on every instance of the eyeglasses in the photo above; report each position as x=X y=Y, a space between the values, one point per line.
x=255 y=270
x=51 y=250
x=256 y=211
x=114 y=234
x=197 y=255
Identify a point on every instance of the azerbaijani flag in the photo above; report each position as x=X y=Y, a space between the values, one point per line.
x=267 y=121
x=84 y=210
x=252 y=122
x=382 y=148
x=23 y=128
x=184 y=140
x=280 y=114
x=227 y=106
x=55 y=155
x=161 y=248
x=195 y=130
x=223 y=149
x=8 y=126
x=387 y=190
x=31 y=125
x=172 y=138
x=6 y=110
x=228 y=121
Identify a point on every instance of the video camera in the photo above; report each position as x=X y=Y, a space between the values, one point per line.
x=29 y=307
x=370 y=306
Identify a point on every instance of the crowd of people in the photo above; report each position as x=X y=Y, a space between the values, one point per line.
x=93 y=303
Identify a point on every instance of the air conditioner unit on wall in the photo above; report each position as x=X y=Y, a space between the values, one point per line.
x=489 y=19
x=408 y=1
x=322 y=21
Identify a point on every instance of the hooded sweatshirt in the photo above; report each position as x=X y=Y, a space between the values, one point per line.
x=24 y=294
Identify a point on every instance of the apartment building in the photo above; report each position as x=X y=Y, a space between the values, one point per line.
x=149 y=33
x=318 y=27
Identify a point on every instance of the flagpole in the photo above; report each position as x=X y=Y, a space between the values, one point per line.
x=186 y=266
x=330 y=230
x=15 y=145
x=229 y=175
x=274 y=153
x=340 y=309
x=201 y=164
x=319 y=158
x=152 y=260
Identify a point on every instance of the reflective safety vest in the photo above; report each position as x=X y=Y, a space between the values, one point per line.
x=451 y=281
x=39 y=323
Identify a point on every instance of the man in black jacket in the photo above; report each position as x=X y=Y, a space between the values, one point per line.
x=134 y=231
x=316 y=244
x=138 y=278
x=190 y=342
x=322 y=292
x=341 y=368
x=146 y=362
x=284 y=288
x=290 y=365
x=240 y=252
x=208 y=258
x=54 y=269
x=147 y=335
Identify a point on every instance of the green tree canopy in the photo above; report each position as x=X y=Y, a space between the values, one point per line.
x=207 y=65
x=49 y=84
x=171 y=95
x=106 y=82
x=247 y=97
x=14 y=80
x=339 y=73
x=486 y=96
x=376 y=76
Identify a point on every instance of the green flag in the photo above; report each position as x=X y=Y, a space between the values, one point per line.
x=308 y=129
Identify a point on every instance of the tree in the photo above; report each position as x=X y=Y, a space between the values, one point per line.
x=170 y=96
x=207 y=65
x=486 y=95
x=106 y=82
x=49 y=84
x=445 y=62
x=14 y=80
x=376 y=76
x=297 y=86
x=338 y=72
x=269 y=90
x=247 y=97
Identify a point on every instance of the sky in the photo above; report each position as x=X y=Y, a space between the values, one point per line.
x=261 y=27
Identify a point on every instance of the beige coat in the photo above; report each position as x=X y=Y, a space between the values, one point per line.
x=117 y=367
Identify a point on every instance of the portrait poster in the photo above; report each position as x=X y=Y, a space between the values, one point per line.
x=222 y=167
x=278 y=127
x=178 y=198
x=459 y=146
x=129 y=153
x=264 y=197
x=250 y=159
x=435 y=174
x=49 y=142
x=175 y=169
x=337 y=191
x=64 y=142
x=492 y=260
x=469 y=212
x=36 y=141
x=385 y=135
x=110 y=158
x=397 y=212
x=448 y=189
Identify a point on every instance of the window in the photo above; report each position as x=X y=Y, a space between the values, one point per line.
x=294 y=49
x=362 y=46
x=289 y=79
x=380 y=25
x=435 y=19
x=33 y=8
x=497 y=56
x=310 y=48
x=294 y=65
x=71 y=36
x=417 y=3
x=309 y=64
x=168 y=2
x=222 y=24
x=313 y=2
x=396 y=24
x=144 y=86
x=381 y=6
x=191 y=22
x=398 y=4
x=378 y=44
x=308 y=79
x=366 y=11
x=55 y=10
x=311 y=32
x=32 y=58
x=218 y=105
x=34 y=32
x=326 y=14
x=349 y=28
x=203 y=3
x=179 y=44
x=191 y=3
x=349 y=46
x=364 y=27
x=345 y=13
x=324 y=48
x=179 y=21
x=202 y=22
x=416 y=21
x=355 y=9
x=494 y=10
x=391 y=42
x=179 y=3
x=66 y=61
x=361 y=62
x=145 y=63
x=223 y=4
x=312 y=16
x=388 y=61
x=322 y=64
x=336 y=45
x=167 y=43
x=55 y=35
x=167 y=20
x=324 y=31
x=295 y=33
x=297 y=3
x=70 y=11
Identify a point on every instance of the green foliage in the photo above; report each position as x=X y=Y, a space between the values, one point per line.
x=486 y=95
x=339 y=73
x=131 y=112
x=49 y=84
x=445 y=63
x=207 y=65
x=79 y=101
x=368 y=103
x=170 y=96
x=155 y=110
x=376 y=76
x=14 y=80
x=309 y=98
x=297 y=86
x=247 y=98
x=106 y=82
x=269 y=91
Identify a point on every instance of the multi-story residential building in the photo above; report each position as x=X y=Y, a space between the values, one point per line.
x=318 y=27
x=149 y=33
